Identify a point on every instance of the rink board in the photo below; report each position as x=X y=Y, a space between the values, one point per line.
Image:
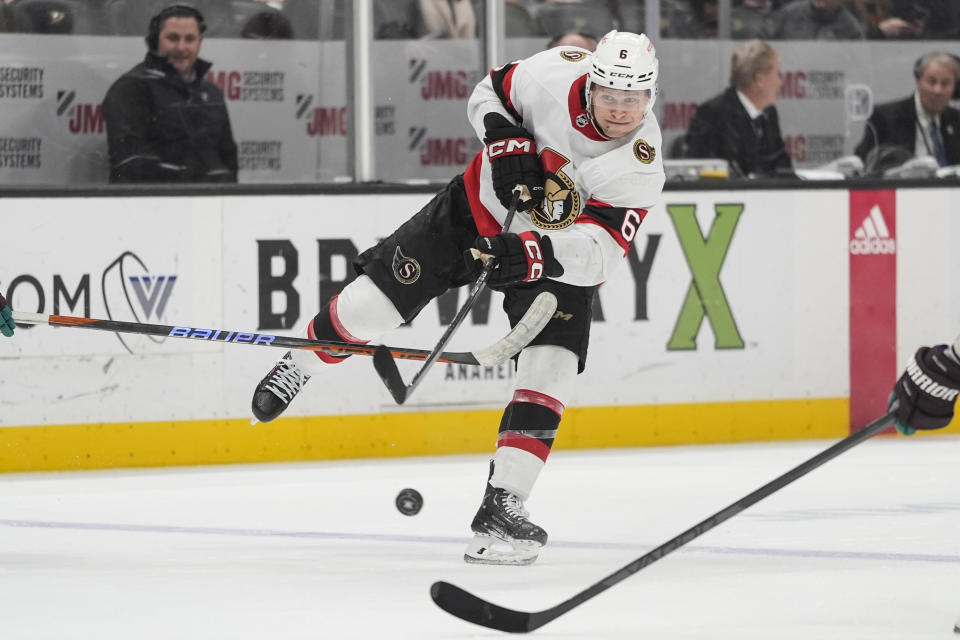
x=732 y=322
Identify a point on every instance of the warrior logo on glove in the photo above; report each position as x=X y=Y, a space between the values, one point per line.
x=927 y=390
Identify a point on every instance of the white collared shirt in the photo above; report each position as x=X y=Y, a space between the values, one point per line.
x=752 y=111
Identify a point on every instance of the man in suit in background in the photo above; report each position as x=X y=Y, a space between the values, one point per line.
x=741 y=124
x=923 y=124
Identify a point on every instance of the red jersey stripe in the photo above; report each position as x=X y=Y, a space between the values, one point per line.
x=487 y=225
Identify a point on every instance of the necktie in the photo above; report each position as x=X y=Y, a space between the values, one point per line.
x=758 y=127
x=938 y=151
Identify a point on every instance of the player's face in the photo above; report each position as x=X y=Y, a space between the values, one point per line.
x=935 y=86
x=618 y=112
x=180 y=41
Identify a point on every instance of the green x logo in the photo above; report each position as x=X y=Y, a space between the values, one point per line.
x=705 y=297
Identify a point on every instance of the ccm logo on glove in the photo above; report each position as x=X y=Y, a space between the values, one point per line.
x=524 y=257
x=512 y=152
x=534 y=256
x=511 y=147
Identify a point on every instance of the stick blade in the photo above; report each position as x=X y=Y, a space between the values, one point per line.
x=386 y=368
x=469 y=607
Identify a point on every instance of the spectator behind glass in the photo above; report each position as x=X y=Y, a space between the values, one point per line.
x=922 y=124
x=563 y=16
x=449 y=18
x=923 y=19
x=885 y=19
x=165 y=121
x=741 y=124
x=943 y=21
x=691 y=19
x=520 y=22
x=267 y=25
x=11 y=21
x=815 y=20
x=574 y=39
x=750 y=19
x=47 y=16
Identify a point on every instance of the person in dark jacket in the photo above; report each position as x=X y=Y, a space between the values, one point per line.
x=741 y=124
x=923 y=124
x=165 y=121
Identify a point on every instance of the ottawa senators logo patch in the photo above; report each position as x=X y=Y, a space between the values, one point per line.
x=572 y=56
x=405 y=270
x=644 y=151
x=561 y=202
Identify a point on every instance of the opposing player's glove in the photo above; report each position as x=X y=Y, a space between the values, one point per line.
x=513 y=160
x=7 y=325
x=927 y=390
x=524 y=257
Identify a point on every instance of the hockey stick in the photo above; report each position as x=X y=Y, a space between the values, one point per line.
x=469 y=607
x=487 y=356
x=383 y=360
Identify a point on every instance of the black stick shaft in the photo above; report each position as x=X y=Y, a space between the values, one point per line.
x=725 y=514
x=471 y=608
x=386 y=366
x=236 y=337
x=465 y=309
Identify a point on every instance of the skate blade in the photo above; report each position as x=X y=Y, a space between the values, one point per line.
x=484 y=550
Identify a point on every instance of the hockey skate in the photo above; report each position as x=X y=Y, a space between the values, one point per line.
x=503 y=522
x=277 y=389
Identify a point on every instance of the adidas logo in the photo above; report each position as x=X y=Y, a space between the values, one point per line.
x=873 y=237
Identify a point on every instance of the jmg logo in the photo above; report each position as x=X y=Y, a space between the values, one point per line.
x=84 y=118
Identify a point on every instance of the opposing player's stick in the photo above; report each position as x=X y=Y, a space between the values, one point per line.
x=536 y=317
x=488 y=356
x=469 y=607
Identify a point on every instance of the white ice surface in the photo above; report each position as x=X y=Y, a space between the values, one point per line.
x=864 y=547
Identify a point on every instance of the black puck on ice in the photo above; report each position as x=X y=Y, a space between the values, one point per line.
x=409 y=501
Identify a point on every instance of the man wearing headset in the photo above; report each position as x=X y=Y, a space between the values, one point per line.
x=165 y=121
x=923 y=124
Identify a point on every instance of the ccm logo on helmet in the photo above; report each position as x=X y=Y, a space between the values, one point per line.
x=510 y=147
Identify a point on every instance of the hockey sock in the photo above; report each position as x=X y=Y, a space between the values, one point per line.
x=358 y=315
x=327 y=325
x=527 y=430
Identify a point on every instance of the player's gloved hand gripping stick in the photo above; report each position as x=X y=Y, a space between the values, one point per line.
x=530 y=325
x=927 y=391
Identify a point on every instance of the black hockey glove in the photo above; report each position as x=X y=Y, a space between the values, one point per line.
x=513 y=160
x=927 y=391
x=519 y=258
x=7 y=325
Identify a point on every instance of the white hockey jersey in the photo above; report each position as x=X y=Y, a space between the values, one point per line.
x=597 y=190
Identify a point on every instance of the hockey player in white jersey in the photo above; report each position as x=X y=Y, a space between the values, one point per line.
x=576 y=130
